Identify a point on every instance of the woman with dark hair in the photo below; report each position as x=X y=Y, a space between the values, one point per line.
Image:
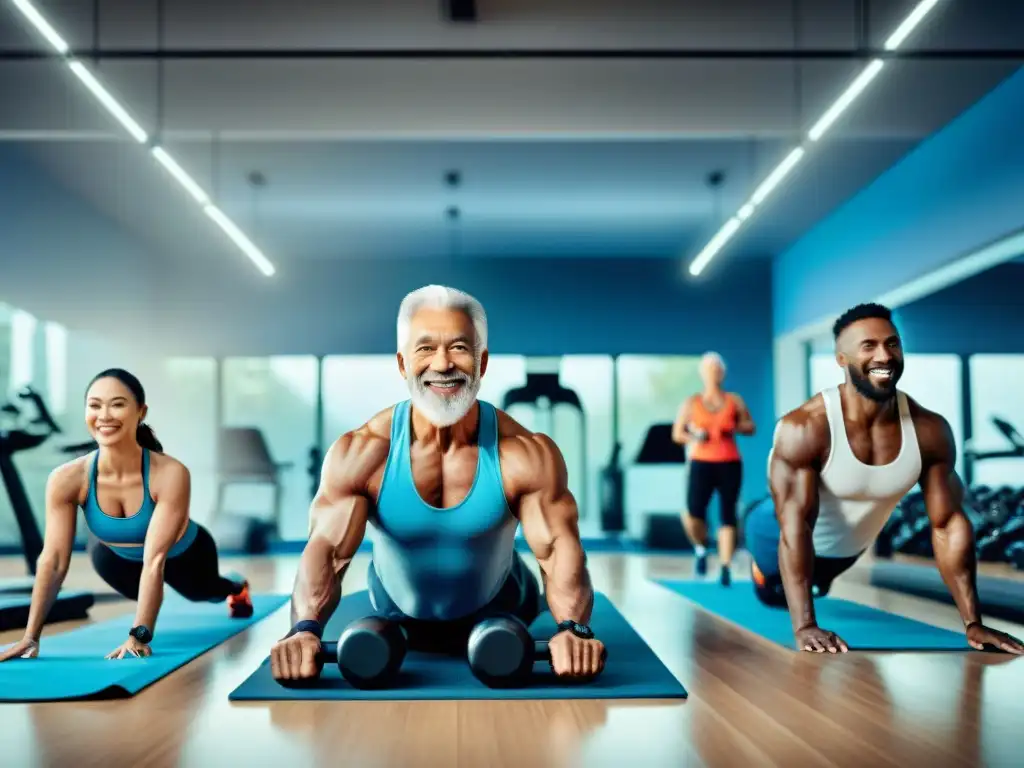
x=136 y=504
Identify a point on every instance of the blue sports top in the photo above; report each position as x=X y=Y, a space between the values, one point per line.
x=442 y=563
x=128 y=530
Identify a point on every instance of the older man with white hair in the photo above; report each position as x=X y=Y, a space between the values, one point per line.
x=708 y=423
x=444 y=479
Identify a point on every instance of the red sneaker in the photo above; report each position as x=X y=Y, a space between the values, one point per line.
x=756 y=575
x=240 y=605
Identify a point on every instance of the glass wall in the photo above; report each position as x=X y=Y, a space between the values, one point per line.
x=996 y=392
x=26 y=365
x=8 y=529
x=932 y=380
x=651 y=389
x=278 y=396
x=183 y=413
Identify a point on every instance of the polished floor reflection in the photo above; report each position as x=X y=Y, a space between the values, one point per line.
x=751 y=703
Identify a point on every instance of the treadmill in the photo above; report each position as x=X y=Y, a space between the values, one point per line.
x=16 y=594
x=542 y=394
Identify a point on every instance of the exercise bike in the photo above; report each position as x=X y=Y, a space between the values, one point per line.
x=14 y=593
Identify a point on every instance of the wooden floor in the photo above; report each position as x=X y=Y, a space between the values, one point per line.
x=751 y=703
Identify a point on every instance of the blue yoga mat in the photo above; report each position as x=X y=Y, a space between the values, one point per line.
x=862 y=627
x=69 y=606
x=633 y=670
x=71 y=665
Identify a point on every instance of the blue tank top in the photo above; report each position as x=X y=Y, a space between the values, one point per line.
x=128 y=530
x=436 y=563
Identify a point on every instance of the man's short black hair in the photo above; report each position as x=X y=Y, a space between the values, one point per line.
x=860 y=312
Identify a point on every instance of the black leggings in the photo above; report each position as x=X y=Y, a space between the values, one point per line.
x=194 y=574
x=770 y=590
x=706 y=477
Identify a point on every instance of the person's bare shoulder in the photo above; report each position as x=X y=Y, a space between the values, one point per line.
x=528 y=459
x=934 y=434
x=166 y=474
x=356 y=455
x=508 y=427
x=69 y=482
x=802 y=435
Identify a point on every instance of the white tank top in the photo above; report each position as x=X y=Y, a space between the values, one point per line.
x=856 y=499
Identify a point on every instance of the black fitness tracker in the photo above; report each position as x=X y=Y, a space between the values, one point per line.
x=580 y=630
x=142 y=634
x=308 y=625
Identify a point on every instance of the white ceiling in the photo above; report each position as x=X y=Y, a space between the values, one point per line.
x=561 y=157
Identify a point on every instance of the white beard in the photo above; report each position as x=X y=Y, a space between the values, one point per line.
x=440 y=410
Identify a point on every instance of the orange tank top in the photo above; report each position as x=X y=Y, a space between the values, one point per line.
x=716 y=448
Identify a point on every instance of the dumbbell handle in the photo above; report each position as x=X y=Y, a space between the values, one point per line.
x=328 y=652
x=541 y=651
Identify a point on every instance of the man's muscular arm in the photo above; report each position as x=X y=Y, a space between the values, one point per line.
x=952 y=534
x=338 y=517
x=550 y=520
x=793 y=478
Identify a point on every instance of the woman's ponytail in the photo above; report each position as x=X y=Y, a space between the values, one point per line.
x=146 y=437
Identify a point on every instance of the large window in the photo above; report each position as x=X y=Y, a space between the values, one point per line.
x=651 y=389
x=278 y=396
x=25 y=366
x=996 y=392
x=183 y=412
x=24 y=362
x=355 y=387
x=932 y=380
x=8 y=529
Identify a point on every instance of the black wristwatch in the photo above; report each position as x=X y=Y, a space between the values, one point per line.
x=581 y=631
x=142 y=634
x=307 y=625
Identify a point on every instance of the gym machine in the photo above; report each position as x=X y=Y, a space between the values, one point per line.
x=243 y=458
x=543 y=393
x=26 y=436
x=972 y=455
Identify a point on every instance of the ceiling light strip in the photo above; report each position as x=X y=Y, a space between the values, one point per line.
x=818 y=129
x=97 y=89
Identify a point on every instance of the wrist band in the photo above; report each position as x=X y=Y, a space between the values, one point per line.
x=308 y=625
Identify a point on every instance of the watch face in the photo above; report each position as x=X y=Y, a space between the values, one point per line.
x=579 y=630
x=141 y=634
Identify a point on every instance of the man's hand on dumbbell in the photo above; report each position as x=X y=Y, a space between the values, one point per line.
x=369 y=653
x=573 y=656
x=294 y=657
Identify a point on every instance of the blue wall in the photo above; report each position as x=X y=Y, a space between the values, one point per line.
x=958 y=190
x=981 y=315
x=62 y=261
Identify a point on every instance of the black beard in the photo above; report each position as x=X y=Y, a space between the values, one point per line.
x=864 y=386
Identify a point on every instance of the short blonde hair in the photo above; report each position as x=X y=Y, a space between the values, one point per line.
x=713 y=357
